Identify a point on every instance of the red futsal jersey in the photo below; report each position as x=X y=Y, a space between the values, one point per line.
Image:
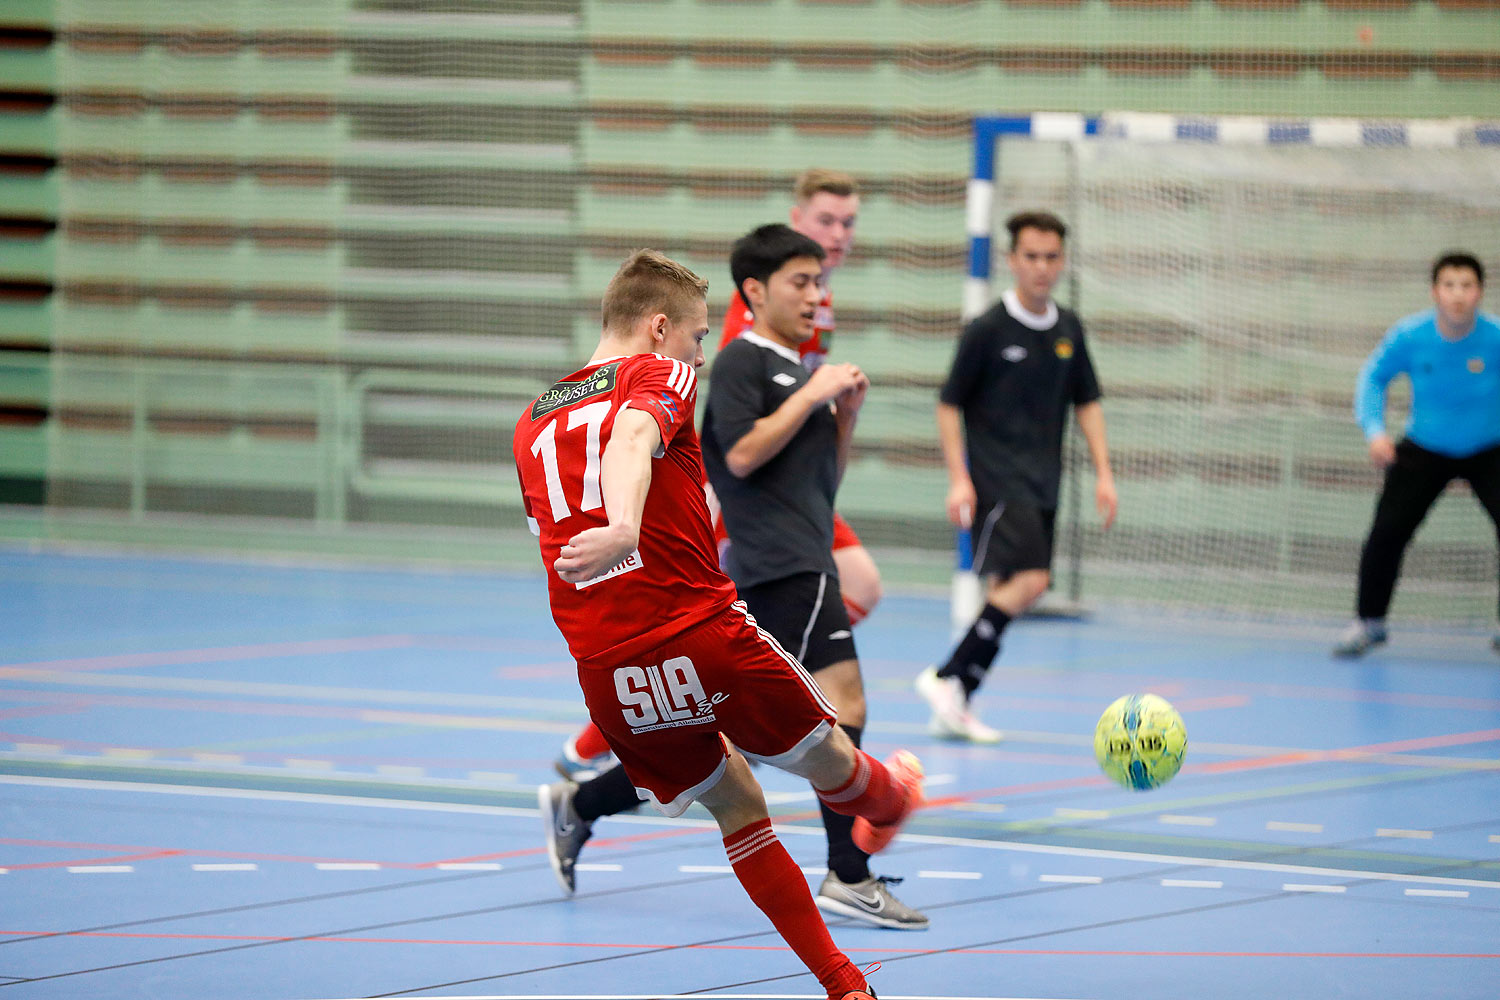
x=738 y=319
x=672 y=581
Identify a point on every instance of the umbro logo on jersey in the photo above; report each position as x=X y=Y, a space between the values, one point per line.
x=665 y=696
x=1015 y=352
x=782 y=378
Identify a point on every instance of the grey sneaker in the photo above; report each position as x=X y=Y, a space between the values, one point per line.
x=1362 y=635
x=570 y=766
x=870 y=901
x=566 y=833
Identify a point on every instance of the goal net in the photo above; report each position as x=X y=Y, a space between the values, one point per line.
x=1233 y=274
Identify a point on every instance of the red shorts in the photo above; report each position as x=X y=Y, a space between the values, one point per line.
x=663 y=717
x=843 y=535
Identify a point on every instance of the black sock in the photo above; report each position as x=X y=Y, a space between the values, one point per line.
x=845 y=860
x=978 y=648
x=610 y=793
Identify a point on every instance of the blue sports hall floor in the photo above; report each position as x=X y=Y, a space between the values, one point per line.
x=246 y=780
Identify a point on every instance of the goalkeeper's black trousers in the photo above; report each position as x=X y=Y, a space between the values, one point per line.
x=1412 y=485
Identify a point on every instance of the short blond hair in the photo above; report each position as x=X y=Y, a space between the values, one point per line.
x=816 y=179
x=650 y=282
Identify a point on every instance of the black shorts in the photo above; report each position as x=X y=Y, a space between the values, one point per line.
x=805 y=613
x=1010 y=536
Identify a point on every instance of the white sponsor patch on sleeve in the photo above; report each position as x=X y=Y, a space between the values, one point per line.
x=626 y=565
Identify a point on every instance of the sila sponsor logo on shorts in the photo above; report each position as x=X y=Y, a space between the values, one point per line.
x=665 y=696
x=628 y=564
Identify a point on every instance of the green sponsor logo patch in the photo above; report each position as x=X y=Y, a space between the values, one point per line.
x=601 y=383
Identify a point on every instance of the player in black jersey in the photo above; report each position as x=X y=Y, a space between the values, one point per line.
x=1001 y=416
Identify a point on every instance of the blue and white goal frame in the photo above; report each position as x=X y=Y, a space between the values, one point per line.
x=1428 y=133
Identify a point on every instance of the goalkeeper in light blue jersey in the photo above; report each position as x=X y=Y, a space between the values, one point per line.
x=1451 y=354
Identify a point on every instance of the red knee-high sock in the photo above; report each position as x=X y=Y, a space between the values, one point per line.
x=773 y=881
x=869 y=792
x=590 y=742
x=857 y=612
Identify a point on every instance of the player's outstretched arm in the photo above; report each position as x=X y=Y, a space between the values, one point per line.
x=961 y=496
x=624 y=479
x=1090 y=418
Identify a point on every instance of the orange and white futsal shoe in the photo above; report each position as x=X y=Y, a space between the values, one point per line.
x=906 y=771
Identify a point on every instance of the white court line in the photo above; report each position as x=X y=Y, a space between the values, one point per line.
x=1450 y=893
x=1404 y=834
x=1073 y=879
x=347 y=866
x=1018 y=847
x=129 y=753
x=1301 y=887
x=1277 y=824
x=235 y=867
x=956 y=875
x=1021 y=847
x=686 y=996
x=1175 y=820
x=598 y=867
x=1192 y=883
x=1066 y=813
x=204 y=757
x=469 y=866
x=1495 y=838
x=726 y=869
x=100 y=869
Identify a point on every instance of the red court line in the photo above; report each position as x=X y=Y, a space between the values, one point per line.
x=29 y=713
x=146 y=852
x=1253 y=763
x=1348 y=753
x=87 y=862
x=1402 y=698
x=498 y=943
x=217 y=654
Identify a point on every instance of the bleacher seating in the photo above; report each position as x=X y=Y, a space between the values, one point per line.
x=255 y=208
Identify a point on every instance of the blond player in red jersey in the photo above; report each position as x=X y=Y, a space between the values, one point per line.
x=825 y=208
x=673 y=669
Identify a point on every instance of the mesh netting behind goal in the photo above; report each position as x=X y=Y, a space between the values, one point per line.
x=1231 y=292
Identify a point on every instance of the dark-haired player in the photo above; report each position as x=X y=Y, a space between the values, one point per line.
x=1451 y=354
x=1001 y=416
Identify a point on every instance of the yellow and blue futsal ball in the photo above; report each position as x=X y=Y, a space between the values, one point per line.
x=1140 y=741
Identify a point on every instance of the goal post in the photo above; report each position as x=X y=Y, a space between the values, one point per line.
x=1233 y=272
